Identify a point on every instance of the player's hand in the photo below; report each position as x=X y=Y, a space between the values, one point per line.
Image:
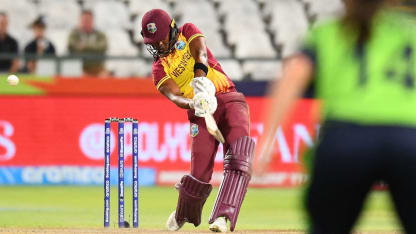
x=203 y=84
x=199 y=99
x=263 y=155
x=260 y=166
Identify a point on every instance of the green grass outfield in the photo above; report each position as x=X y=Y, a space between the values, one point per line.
x=82 y=207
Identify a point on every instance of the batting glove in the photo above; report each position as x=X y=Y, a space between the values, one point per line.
x=199 y=99
x=203 y=84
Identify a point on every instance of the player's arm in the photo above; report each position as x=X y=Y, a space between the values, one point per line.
x=171 y=90
x=204 y=89
x=199 y=53
x=297 y=74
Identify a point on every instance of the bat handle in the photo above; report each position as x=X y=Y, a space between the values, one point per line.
x=205 y=106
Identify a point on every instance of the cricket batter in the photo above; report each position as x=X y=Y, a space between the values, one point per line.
x=185 y=71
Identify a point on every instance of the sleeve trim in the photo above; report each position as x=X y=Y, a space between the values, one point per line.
x=195 y=36
x=162 y=81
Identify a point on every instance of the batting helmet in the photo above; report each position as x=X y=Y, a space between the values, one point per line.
x=156 y=25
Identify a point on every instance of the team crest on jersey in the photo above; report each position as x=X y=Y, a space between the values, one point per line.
x=151 y=27
x=194 y=130
x=180 y=45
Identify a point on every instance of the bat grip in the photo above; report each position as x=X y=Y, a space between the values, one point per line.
x=205 y=106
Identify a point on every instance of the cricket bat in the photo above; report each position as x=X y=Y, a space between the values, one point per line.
x=211 y=124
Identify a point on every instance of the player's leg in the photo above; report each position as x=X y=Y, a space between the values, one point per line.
x=400 y=165
x=194 y=189
x=237 y=163
x=192 y=196
x=343 y=173
x=203 y=149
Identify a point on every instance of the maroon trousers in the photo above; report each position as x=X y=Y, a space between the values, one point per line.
x=233 y=119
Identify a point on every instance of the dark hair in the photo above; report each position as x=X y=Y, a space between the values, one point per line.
x=39 y=22
x=359 y=17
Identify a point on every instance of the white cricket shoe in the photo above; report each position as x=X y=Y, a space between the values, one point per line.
x=171 y=224
x=219 y=225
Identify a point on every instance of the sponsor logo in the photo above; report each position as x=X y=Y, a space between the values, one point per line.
x=72 y=175
x=151 y=27
x=136 y=211
x=62 y=175
x=121 y=145
x=107 y=144
x=180 y=45
x=121 y=189
x=107 y=189
x=91 y=141
x=107 y=211
x=121 y=169
x=121 y=214
x=135 y=170
x=107 y=170
x=7 y=147
x=135 y=144
x=194 y=130
x=135 y=189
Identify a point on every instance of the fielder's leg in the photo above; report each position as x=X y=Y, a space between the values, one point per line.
x=342 y=175
x=237 y=174
x=399 y=172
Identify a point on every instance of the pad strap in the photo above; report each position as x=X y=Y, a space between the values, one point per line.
x=240 y=155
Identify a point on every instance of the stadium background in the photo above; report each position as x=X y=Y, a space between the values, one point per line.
x=51 y=124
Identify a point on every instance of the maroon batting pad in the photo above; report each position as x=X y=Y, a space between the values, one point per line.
x=192 y=196
x=237 y=174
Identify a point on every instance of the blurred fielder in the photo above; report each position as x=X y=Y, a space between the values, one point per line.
x=185 y=71
x=363 y=67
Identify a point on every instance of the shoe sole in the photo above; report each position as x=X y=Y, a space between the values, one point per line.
x=215 y=229
x=178 y=225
